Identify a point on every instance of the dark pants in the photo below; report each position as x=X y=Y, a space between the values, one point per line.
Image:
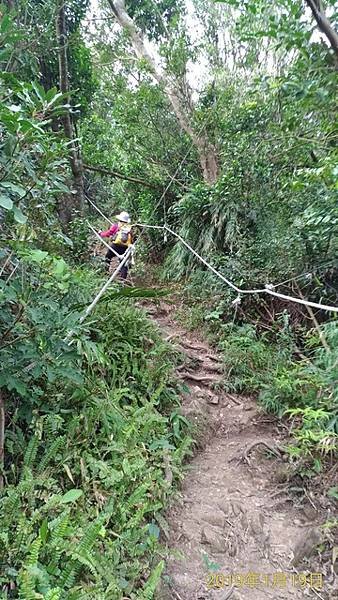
x=120 y=250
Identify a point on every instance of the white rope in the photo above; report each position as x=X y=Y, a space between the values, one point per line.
x=99 y=211
x=232 y=285
x=267 y=290
x=91 y=306
x=107 y=284
x=103 y=241
x=300 y=301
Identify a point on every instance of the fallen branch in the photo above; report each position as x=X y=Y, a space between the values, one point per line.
x=212 y=357
x=120 y=176
x=213 y=368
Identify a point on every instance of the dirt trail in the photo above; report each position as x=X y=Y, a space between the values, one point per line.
x=234 y=516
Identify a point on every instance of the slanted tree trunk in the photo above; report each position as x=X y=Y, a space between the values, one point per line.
x=77 y=202
x=206 y=150
x=323 y=23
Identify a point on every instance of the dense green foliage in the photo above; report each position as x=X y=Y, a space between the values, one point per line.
x=91 y=410
x=90 y=425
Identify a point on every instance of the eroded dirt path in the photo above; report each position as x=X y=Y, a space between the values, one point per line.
x=234 y=525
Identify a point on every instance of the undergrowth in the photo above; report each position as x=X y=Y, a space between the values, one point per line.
x=292 y=376
x=88 y=441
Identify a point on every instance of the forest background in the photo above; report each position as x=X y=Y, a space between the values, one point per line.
x=219 y=119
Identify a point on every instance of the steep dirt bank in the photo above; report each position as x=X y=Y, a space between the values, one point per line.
x=238 y=530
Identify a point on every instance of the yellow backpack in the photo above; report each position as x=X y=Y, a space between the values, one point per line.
x=123 y=236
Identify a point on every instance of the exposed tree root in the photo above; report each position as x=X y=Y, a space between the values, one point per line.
x=276 y=451
x=199 y=378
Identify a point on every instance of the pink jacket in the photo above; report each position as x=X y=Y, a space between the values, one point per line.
x=113 y=229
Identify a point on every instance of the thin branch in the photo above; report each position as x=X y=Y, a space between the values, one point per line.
x=119 y=176
x=315 y=322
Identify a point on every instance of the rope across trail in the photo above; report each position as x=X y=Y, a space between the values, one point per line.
x=268 y=289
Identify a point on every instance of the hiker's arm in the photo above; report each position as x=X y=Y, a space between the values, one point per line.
x=109 y=232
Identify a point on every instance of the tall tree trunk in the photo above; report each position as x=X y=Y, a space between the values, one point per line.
x=323 y=23
x=75 y=159
x=206 y=150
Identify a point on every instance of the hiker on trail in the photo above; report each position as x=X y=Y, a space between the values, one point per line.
x=122 y=237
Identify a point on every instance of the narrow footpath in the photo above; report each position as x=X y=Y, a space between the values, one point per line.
x=237 y=530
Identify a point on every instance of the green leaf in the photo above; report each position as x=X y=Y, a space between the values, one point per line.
x=59 y=267
x=62 y=187
x=154 y=530
x=37 y=255
x=317 y=465
x=6 y=202
x=5 y=23
x=14 y=187
x=161 y=443
x=43 y=530
x=71 y=496
x=333 y=492
x=19 y=216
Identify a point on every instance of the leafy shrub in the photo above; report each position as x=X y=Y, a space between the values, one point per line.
x=92 y=428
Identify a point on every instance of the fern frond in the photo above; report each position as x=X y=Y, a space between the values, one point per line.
x=82 y=551
x=34 y=550
x=60 y=528
x=87 y=561
x=152 y=583
x=26 y=589
x=69 y=574
x=50 y=453
x=31 y=452
x=90 y=537
x=54 y=594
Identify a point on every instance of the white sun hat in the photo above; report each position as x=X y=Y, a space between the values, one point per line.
x=124 y=217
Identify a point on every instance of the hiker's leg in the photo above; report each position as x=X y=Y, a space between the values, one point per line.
x=124 y=272
x=108 y=257
x=121 y=250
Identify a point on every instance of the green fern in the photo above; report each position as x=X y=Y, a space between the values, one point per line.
x=31 y=452
x=68 y=576
x=50 y=453
x=34 y=550
x=152 y=583
x=27 y=585
x=87 y=561
x=90 y=537
x=59 y=528
x=54 y=594
x=81 y=552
